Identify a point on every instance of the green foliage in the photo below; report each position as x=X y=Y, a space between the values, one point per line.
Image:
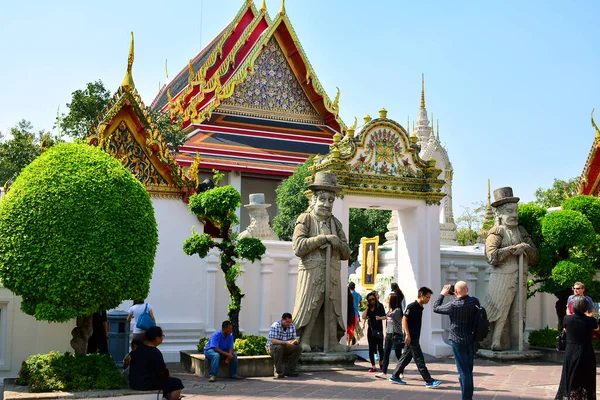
x=588 y=206
x=198 y=244
x=251 y=345
x=77 y=234
x=170 y=129
x=530 y=217
x=545 y=337
x=250 y=249
x=65 y=372
x=472 y=218
x=84 y=108
x=291 y=201
x=466 y=236
x=202 y=344
x=567 y=228
x=247 y=345
x=566 y=272
x=559 y=191
x=218 y=204
x=20 y=147
x=366 y=223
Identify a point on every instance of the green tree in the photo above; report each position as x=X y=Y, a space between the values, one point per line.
x=77 y=236
x=218 y=205
x=20 y=147
x=466 y=236
x=291 y=201
x=170 y=129
x=567 y=241
x=469 y=223
x=366 y=223
x=84 y=108
x=559 y=191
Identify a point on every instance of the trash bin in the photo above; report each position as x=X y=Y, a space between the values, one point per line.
x=118 y=336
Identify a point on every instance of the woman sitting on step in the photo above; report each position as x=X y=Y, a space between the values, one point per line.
x=147 y=368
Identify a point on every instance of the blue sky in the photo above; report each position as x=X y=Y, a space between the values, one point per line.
x=512 y=83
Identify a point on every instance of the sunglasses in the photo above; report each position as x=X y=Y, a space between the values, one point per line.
x=371 y=299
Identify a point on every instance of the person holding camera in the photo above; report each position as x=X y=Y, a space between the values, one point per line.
x=283 y=342
x=462 y=312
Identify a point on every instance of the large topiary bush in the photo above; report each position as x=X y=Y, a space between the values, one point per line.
x=77 y=235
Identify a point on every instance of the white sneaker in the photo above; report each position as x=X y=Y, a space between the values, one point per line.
x=382 y=375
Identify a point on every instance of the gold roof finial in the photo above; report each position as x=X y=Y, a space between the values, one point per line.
x=594 y=125
x=383 y=113
x=336 y=101
x=263 y=6
x=128 y=80
x=282 y=8
x=422 y=90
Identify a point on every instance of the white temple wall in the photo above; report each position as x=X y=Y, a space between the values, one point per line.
x=21 y=335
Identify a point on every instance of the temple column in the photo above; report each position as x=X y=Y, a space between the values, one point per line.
x=212 y=267
x=266 y=272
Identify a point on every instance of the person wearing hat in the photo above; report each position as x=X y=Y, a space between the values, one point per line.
x=505 y=243
x=321 y=244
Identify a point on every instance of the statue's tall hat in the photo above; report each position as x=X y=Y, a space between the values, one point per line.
x=504 y=195
x=325 y=181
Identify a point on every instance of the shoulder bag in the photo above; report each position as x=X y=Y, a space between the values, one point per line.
x=145 y=321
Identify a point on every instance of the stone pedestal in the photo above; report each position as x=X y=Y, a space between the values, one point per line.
x=326 y=361
x=510 y=355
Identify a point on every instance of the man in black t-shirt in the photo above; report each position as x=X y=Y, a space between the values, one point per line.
x=411 y=323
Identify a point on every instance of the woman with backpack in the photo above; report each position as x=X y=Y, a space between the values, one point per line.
x=141 y=313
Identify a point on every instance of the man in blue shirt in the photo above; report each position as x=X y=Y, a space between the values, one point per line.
x=220 y=347
x=579 y=289
x=356 y=302
x=283 y=342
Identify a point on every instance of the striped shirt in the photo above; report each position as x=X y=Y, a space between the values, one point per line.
x=462 y=313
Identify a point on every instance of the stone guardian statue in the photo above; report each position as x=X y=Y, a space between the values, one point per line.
x=507 y=241
x=321 y=244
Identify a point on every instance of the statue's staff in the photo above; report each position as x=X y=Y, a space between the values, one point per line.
x=326 y=304
x=521 y=302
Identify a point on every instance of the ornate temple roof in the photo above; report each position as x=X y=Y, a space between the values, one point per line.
x=125 y=130
x=251 y=100
x=590 y=177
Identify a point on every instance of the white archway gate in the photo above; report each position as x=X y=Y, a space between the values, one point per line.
x=378 y=166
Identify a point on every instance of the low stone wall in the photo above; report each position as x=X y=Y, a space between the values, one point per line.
x=248 y=366
x=553 y=355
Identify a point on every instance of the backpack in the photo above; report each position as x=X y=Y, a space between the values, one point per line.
x=145 y=321
x=481 y=325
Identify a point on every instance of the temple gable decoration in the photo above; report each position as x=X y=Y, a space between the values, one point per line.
x=125 y=130
x=589 y=182
x=381 y=160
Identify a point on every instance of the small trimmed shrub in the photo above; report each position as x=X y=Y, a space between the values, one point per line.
x=247 y=345
x=202 y=344
x=545 y=337
x=66 y=372
x=251 y=345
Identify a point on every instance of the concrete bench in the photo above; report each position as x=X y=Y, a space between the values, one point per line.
x=196 y=362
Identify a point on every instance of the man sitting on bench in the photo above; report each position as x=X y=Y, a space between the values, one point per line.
x=283 y=342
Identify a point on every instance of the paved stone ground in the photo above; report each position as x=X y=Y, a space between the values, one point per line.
x=492 y=381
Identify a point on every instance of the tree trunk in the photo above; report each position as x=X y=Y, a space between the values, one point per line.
x=81 y=333
x=227 y=263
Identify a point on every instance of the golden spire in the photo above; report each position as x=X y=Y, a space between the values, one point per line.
x=594 y=125
x=422 y=90
x=263 y=6
x=128 y=80
x=282 y=9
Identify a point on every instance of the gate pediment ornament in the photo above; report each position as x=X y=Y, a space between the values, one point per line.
x=380 y=160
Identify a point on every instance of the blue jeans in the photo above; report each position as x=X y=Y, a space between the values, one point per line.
x=215 y=358
x=463 y=356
